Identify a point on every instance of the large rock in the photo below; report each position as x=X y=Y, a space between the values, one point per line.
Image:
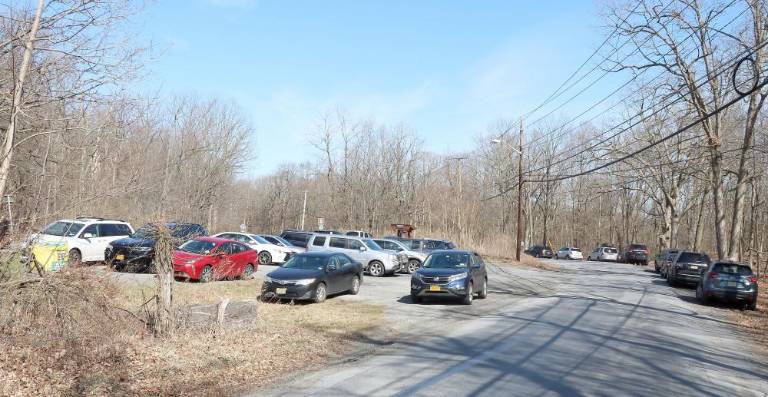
x=224 y=313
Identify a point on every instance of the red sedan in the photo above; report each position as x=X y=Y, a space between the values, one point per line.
x=211 y=258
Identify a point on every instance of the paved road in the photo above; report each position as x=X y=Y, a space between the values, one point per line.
x=589 y=329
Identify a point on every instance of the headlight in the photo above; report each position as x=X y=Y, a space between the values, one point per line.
x=143 y=249
x=305 y=281
x=190 y=261
x=457 y=277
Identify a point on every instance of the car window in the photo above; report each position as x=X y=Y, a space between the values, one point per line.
x=389 y=245
x=343 y=260
x=351 y=233
x=732 y=268
x=197 y=247
x=271 y=239
x=92 y=229
x=693 y=257
x=319 y=241
x=611 y=250
x=224 y=248
x=337 y=242
x=354 y=244
x=241 y=248
x=637 y=247
x=115 y=229
x=64 y=229
x=478 y=260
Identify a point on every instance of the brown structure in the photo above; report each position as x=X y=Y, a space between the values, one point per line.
x=402 y=230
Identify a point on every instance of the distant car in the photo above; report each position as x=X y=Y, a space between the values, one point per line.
x=636 y=254
x=609 y=254
x=268 y=253
x=450 y=273
x=314 y=276
x=297 y=237
x=277 y=240
x=136 y=253
x=663 y=259
x=427 y=244
x=569 y=253
x=212 y=258
x=375 y=260
x=729 y=281
x=72 y=241
x=415 y=258
x=687 y=268
x=539 y=251
x=358 y=233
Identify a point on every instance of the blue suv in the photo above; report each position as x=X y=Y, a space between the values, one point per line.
x=450 y=273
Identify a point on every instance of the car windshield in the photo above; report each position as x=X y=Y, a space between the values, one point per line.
x=393 y=245
x=284 y=241
x=453 y=260
x=576 y=249
x=610 y=250
x=198 y=247
x=693 y=257
x=182 y=230
x=63 y=229
x=259 y=239
x=372 y=245
x=732 y=268
x=307 y=262
x=637 y=247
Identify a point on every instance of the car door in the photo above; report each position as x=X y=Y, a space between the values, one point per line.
x=355 y=250
x=91 y=243
x=336 y=244
x=334 y=275
x=478 y=271
x=348 y=271
x=240 y=258
x=223 y=263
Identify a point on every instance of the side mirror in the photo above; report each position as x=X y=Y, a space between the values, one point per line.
x=330 y=268
x=87 y=235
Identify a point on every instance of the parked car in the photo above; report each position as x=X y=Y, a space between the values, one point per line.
x=376 y=261
x=450 y=273
x=636 y=254
x=328 y=232
x=663 y=259
x=359 y=233
x=687 y=268
x=569 y=253
x=729 y=281
x=268 y=253
x=72 y=241
x=136 y=252
x=610 y=254
x=415 y=258
x=277 y=240
x=212 y=258
x=297 y=237
x=539 y=251
x=427 y=244
x=314 y=276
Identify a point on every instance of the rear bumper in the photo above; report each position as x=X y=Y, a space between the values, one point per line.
x=634 y=258
x=728 y=294
x=686 y=277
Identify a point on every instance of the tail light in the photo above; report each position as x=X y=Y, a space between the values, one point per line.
x=752 y=279
x=711 y=275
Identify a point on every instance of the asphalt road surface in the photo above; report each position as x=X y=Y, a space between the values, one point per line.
x=589 y=329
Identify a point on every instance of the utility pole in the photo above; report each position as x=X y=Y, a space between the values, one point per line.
x=460 y=200
x=304 y=210
x=519 y=194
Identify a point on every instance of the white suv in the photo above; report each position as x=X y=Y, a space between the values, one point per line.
x=83 y=239
x=376 y=261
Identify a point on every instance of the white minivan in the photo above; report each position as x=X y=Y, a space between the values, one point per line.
x=84 y=239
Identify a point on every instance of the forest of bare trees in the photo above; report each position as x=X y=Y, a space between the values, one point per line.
x=78 y=143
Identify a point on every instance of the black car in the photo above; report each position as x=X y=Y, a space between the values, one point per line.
x=450 y=273
x=687 y=268
x=313 y=276
x=636 y=254
x=539 y=251
x=135 y=253
x=298 y=238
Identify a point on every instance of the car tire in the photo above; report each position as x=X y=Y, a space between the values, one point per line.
x=700 y=295
x=74 y=257
x=753 y=304
x=484 y=291
x=415 y=298
x=376 y=269
x=355 y=286
x=470 y=295
x=265 y=258
x=412 y=266
x=247 y=272
x=320 y=293
x=206 y=275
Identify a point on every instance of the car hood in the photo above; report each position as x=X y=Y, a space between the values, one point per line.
x=133 y=242
x=440 y=272
x=294 y=274
x=183 y=256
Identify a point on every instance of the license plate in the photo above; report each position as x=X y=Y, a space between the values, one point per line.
x=434 y=288
x=694 y=268
x=281 y=291
x=732 y=284
x=119 y=257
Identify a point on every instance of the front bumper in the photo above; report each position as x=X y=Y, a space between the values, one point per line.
x=121 y=257
x=272 y=290
x=453 y=289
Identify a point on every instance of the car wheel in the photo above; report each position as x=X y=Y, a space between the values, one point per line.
x=355 y=285
x=752 y=305
x=265 y=258
x=413 y=265
x=74 y=257
x=206 y=275
x=247 y=272
x=700 y=295
x=320 y=293
x=376 y=269
x=470 y=295
x=483 y=291
x=415 y=298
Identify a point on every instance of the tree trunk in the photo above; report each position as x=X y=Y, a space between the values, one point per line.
x=717 y=193
x=699 y=235
x=164 y=268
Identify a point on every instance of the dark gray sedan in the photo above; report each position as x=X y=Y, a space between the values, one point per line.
x=313 y=276
x=728 y=281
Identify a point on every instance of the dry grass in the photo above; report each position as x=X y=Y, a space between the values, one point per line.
x=118 y=357
x=756 y=322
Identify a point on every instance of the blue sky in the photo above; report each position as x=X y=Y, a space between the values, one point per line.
x=447 y=69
